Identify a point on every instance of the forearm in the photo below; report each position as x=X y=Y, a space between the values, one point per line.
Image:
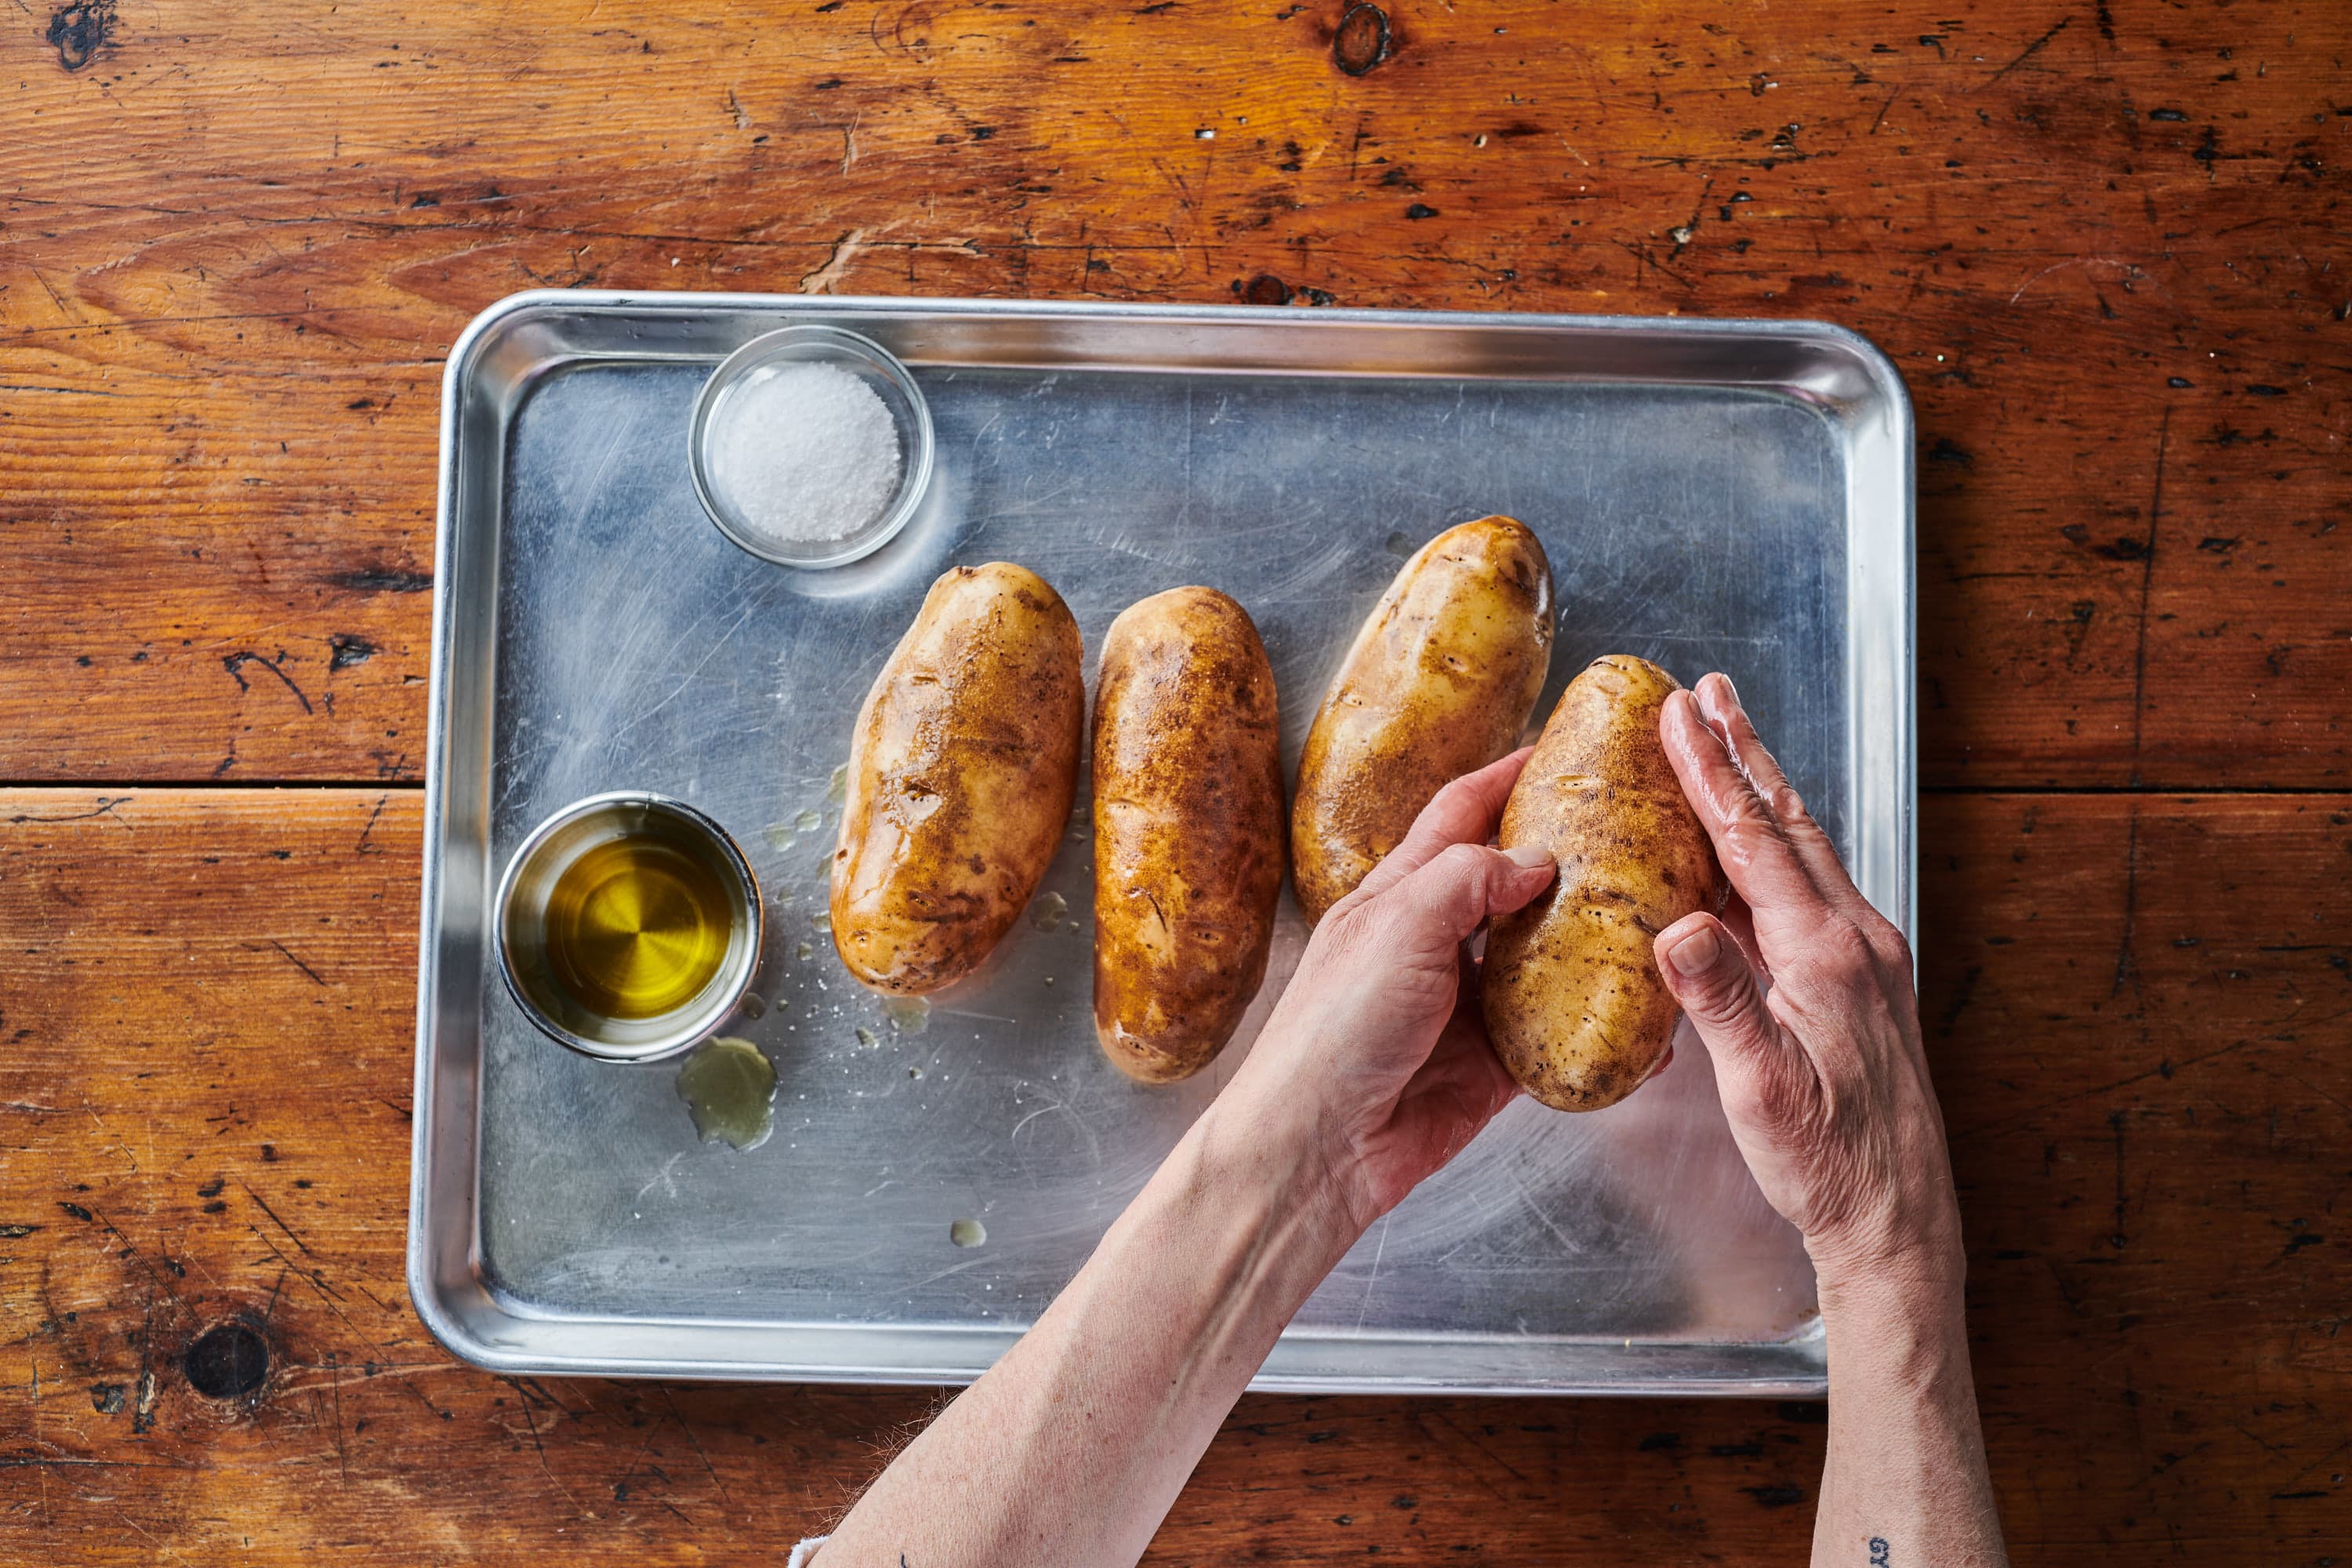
x=1072 y=1448
x=1904 y=1485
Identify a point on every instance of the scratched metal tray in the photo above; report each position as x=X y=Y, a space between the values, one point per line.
x=1731 y=495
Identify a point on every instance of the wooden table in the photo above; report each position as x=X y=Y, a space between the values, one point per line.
x=2106 y=244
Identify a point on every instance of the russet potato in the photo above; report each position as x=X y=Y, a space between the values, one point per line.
x=1572 y=996
x=1188 y=829
x=1439 y=682
x=961 y=772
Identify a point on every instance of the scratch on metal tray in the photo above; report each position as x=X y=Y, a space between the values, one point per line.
x=1316 y=571
x=1094 y=1144
x=663 y=1178
x=1380 y=1250
x=1566 y=1241
x=950 y=1268
x=587 y=493
x=1698 y=637
x=718 y=646
x=1029 y=505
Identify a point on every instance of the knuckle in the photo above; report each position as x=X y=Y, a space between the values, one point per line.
x=1457 y=876
x=1842 y=955
x=1463 y=891
x=1462 y=861
x=1768 y=1097
x=1748 y=825
x=1717 y=995
x=1746 y=811
x=1800 y=829
x=1343 y=928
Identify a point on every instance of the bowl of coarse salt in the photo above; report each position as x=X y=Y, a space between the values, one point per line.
x=811 y=447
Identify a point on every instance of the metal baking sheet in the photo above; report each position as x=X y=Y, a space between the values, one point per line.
x=1733 y=495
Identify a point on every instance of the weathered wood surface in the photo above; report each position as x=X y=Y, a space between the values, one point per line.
x=2136 y=1008
x=2106 y=243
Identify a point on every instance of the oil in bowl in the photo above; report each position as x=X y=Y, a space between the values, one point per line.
x=636 y=927
x=629 y=926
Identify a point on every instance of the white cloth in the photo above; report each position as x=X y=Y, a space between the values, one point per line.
x=805 y=1551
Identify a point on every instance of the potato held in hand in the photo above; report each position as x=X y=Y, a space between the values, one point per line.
x=1187 y=830
x=1573 y=999
x=1438 y=683
x=961 y=772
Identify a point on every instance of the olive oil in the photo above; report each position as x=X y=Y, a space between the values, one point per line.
x=629 y=926
x=729 y=1088
x=637 y=927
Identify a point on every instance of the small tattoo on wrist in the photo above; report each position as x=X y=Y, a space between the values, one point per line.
x=1878 y=1557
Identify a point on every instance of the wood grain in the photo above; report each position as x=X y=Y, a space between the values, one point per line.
x=2106 y=247
x=2136 y=1010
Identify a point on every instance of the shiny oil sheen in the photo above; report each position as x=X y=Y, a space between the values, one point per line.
x=637 y=927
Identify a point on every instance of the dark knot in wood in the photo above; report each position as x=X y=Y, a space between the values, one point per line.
x=227 y=1362
x=79 y=32
x=1361 y=39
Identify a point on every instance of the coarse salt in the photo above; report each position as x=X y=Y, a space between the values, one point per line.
x=804 y=454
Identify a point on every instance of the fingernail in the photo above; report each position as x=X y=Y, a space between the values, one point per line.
x=1696 y=954
x=1528 y=856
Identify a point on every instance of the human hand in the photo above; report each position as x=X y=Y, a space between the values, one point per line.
x=1824 y=1078
x=1373 y=1070
x=1377 y=1046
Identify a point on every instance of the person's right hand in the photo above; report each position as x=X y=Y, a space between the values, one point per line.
x=1823 y=1078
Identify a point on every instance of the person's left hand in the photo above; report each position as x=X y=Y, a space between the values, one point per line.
x=1379 y=1033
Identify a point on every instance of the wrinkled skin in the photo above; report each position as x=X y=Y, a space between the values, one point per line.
x=1824 y=1078
x=1378 y=1035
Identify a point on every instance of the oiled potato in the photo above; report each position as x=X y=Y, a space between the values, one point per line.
x=1572 y=996
x=1438 y=683
x=961 y=772
x=1187 y=830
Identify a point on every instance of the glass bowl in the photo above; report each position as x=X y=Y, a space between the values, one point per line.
x=720 y=417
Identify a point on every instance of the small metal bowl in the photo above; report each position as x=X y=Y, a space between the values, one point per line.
x=871 y=363
x=525 y=899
